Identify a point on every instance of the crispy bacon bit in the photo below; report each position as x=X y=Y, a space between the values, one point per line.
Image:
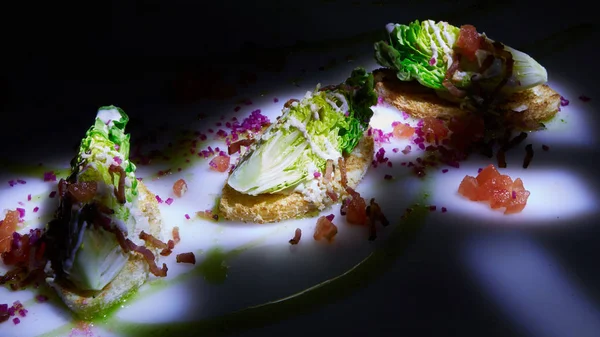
x=447 y=83
x=332 y=195
x=167 y=251
x=343 y=173
x=180 y=187
x=289 y=102
x=528 y=155
x=83 y=191
x=297 y=236
x=328 y=171
x=325 y=229
x=149 y=257
x=235 y=147
x=176 y=237
x=375 y=215
x=150 y=239
x=120 y=189
x=186 y=258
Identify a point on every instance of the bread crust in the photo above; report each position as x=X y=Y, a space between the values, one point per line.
x=522 y=109
x=267 y=208
x=133 y=275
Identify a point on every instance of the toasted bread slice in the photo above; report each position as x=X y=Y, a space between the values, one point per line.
x=528 y=107
x=277 y=207
x=131 y=277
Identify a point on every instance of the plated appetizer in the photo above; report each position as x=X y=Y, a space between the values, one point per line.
x=96 y=257
x=435 y=69
x=308 y=158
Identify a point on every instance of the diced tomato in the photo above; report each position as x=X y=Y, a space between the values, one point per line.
x=488 y=173
x=220 y=163
x=434 y=129
x=7 y=228
x=403 y=131
x=517 y=202
x=325 y=229
x=469 y=188
x=469 y=40
x=356 y=212
x=498 y=189
x=180 y=187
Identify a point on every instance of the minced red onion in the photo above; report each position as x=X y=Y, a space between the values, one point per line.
x=35 y=209
x=330 y=217
x=379 y=100
x=387 y=177
x=21 y=181
x=28 y=197
x=432 y=61
x=12 y=183
x=444 y=209
x=16 y=320
x=395 y=150
x=275 y=100
x=52 y=194
x=169 y=201
x=21 y=212
x=405 y=115
x=41 y=298
x=479 y=170
x=187 y=216
x=444 y=170
x=514 y=194
x=563 y=101
x=49 y=176
x=158 y=199
x=117 y=160
x=317 y=175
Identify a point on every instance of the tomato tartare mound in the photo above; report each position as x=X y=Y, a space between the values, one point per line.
x=497 y=189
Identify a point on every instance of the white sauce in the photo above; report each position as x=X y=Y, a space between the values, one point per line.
x=292 y=121
x=108 y=116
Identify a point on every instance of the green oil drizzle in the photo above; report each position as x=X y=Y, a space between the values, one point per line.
x=214 y=267
x=371 y=268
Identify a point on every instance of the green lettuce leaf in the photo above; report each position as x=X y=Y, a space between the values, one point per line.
x=93 y=255
x=423 y=51
x=324 y=125
x=419 y=51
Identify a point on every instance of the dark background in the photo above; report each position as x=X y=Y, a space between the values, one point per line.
x=62 y=59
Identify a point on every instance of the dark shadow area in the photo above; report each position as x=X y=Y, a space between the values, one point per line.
x=155 y=60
